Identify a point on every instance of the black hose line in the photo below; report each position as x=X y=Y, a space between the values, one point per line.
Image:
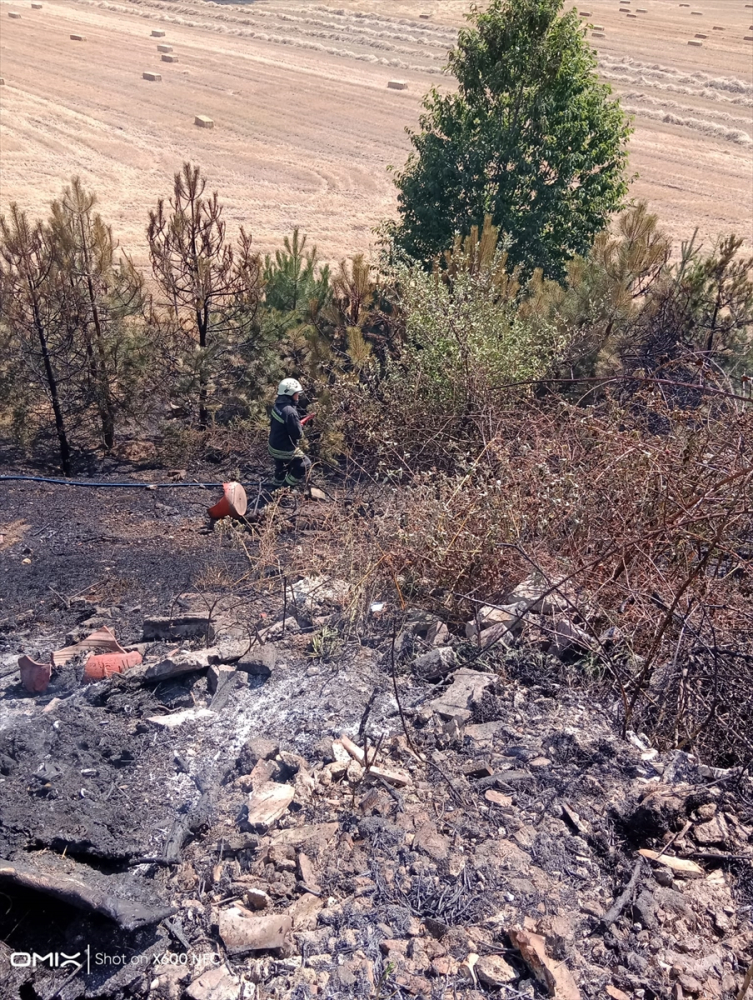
x=101 y=485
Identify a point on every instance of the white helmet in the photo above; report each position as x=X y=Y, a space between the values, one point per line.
x=289 y=387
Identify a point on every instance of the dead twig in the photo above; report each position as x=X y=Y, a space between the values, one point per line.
x=746 y=982
x=394 y=687
x=621 y=902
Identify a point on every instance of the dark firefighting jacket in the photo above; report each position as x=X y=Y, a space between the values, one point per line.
x=285 y=430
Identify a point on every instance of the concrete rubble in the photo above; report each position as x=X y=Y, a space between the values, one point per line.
x=412 y=817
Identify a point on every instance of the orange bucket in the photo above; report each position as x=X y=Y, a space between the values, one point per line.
x=233 y=503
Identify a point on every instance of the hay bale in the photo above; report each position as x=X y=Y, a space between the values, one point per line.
x=633 y=15
x=696 y=13
x=203 y=122
x=597 y=27
x=598 y=34
x=641 y=10
x=585 y=13
x=78 y=38
x=164 y=48
x=748 y=38
x=14 y=14
x=397 y=85
x=718 y=28
x=171 y=59
x=698 y=44
x=36 y=6
x=152 y=77
x=158 y=33
x=2 y=81
x=699 y=34
x=424 y=17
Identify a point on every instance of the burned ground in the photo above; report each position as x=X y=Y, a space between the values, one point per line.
x=508 y=806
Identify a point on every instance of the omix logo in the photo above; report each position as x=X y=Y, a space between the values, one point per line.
x=52 y=960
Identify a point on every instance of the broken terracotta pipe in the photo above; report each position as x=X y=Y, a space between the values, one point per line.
x=102 y=665
x=34 y=676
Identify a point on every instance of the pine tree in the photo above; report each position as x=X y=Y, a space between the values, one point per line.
x=211 y=287
x=33 y=306
x=104 y=291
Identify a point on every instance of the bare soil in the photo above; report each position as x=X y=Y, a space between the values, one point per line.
x=305 y=126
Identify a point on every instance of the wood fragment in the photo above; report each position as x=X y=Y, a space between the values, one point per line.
x=676 y=864
x=619 y=904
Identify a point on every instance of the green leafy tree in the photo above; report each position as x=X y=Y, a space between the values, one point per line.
x=531 y=138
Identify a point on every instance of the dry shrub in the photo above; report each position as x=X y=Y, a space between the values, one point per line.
x=651 y=532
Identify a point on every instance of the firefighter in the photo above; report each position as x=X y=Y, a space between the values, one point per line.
x=285 y=433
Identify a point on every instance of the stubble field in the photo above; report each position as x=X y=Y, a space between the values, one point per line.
x=305 y=124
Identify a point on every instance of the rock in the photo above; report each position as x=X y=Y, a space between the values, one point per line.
x=444 y=965
x=431 y=842
x=243 y=931
x=313 y=591
x=532 y=591
x=177 y=664
x=398 y=779
x=482 y=735
x=179 y=718
x=492 y=970
x=436 y=664
x=192 y=619
x=319 y=835
x=257 y=899
x=306 y=872
x=568 y=636
x=540 y=762
x=217 y=676
x=214 y=984
x=616 y=994
x=466 y=689
x=267 y=804
x=644 y=910
x=488 y=616
x=304 y=912
x=502 y=632
x=397 y=945
x=437 y=634
x=259 y=661
x=552 y=974
x=664 y=877
x=497 y=798
x=690 y=984
x=707 y=811
x=714 y=831
x=256 y=749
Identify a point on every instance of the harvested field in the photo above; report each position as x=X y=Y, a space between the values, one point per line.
x=309 y=123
